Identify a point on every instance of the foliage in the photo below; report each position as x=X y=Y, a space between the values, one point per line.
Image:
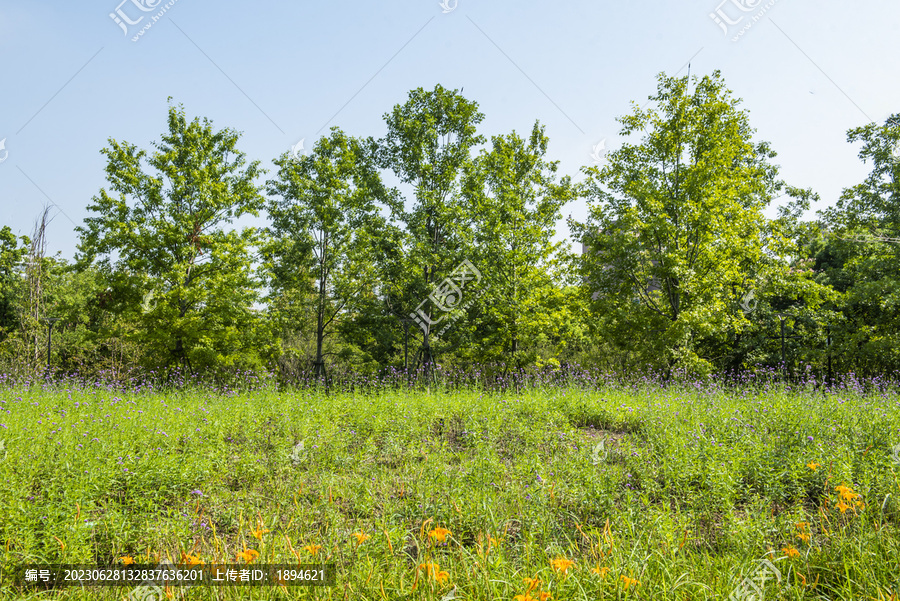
x=178 y=272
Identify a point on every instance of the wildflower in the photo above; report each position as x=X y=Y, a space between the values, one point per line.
x=127 y=560
x=439 y=534
x=248 y=555
x=191 y=560
x=258 y=533
x=846 y=492
x=628 y=581
x=843 y=507
x=812 y=465
x=361 y=537
x=532 y=583
x=561 y=564
x=312 y=549
x=434 y=570
x=790 y=551
x=600 y=571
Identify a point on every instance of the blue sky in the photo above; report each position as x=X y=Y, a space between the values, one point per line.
x=284 y=71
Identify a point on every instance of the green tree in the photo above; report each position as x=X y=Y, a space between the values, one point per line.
x=325 y=224
x=862 y=251
x=178 y=269
x=427 y=146
x=12 y=252
x=675 y=221
x=514 y=202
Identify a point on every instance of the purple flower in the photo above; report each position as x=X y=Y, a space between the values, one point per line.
x=197 y=492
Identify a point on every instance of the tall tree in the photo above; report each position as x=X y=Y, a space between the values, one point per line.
x=325 y=223
x=675 y=220
x=865 y=244
x=428 y=144
x=514 y=203
x=12 y=253
x=166 y=243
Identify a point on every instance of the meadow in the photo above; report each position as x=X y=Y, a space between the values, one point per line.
x=569 y=491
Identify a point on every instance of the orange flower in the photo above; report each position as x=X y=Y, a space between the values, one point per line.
x=790 y=551
x=191 y=560
x=439 y=534
x=258 y=533
x=532 y=583
x=561 y=564
x=127 y=560
x=429 y=568
x=842 y=506
x=846 y=492
x=248 y=555
x=434 y=570
x=312 y=549
x=628 y=581
x=812 y=465
x=361 y=537
x=600 y=571
x=525 y=597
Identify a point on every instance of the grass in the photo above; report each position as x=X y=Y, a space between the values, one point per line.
x=617 y=493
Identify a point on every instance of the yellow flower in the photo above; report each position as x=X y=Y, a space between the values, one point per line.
x=790 y=551
x=429 y=568
x=803 y=536
x=434 y=570
x=532 y=583
x=439 y=534
x=802 y=525
x=846 y=492
x=248 y=555
x=361 y=537
x=258 y=533
x=191 y=560
x=812 y=465
x=842 y=506
x=561 y=564
x=312 y=549
x=525 y=597
x=127 y=560
x=628 y=581
x=600 y=571
x=544 y=595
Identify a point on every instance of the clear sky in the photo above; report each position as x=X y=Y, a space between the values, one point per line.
x=72 y=77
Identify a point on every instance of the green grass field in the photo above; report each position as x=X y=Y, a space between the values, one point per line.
x=620 y=493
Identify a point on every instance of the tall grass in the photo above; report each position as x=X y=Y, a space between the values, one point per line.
x=653 y=492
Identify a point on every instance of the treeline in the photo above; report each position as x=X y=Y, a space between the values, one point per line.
x=457 y=265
